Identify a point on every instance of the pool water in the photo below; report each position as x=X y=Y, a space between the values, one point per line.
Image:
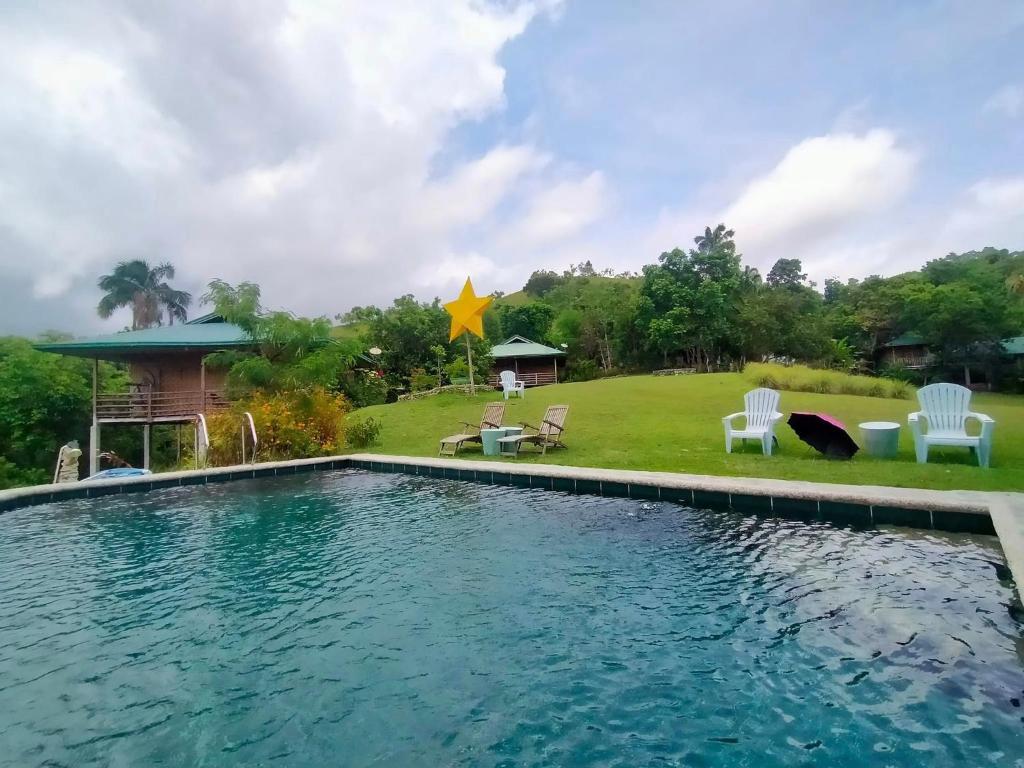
x=356 y=619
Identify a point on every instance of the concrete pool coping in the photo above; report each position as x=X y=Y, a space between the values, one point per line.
x=1001 y=514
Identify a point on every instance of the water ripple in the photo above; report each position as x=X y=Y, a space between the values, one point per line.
x=356 y=619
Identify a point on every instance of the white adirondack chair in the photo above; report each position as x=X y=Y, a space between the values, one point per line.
x=509 y=385
x=762 y=413
x=945 y=409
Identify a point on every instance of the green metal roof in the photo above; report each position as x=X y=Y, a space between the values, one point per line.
x=202 y=335
x=1014 y=345
x=908 y=339
x=518 y=346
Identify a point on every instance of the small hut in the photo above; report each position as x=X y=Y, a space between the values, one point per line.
x=169 y=380
x=534 y=364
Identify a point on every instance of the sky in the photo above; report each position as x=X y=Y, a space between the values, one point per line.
x=345 y=153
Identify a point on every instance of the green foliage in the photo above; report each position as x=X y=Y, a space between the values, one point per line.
x=362 y=433
x=457 y=369
x=800 y=378
x=293 y=353
x=420 y=380
x=293 y=424
x=364 y=387
x=532 y=320
x=542 y=282
x=45 y=401
x=687 y=300
x=786 y=273
x=143 y=288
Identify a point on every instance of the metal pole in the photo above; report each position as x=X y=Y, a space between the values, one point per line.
x=469 y=358
x=94 y=430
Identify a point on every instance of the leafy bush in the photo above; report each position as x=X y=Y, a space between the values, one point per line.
x=420 y=380
x=360 y=434
x=364 y=388
x=290 y=425
x=581 y=369
x=457 y=369
x=800 y=378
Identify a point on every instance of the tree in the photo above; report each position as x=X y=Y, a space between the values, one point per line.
x=45 y=401
x=531 y=320
x=542 y=281
x=293 y=353
x=406 y=332
x=688 y=300
x=786 y=273
x=143 y=288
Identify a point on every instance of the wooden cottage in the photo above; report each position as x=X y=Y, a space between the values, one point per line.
x=534 y=364
x=170 y=383
x=907 y=350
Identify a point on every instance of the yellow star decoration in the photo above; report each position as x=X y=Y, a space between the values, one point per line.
x=467 y=312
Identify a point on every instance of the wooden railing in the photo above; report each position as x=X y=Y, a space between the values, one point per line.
x=528 y=379
x=157 y=406
x=920 y=360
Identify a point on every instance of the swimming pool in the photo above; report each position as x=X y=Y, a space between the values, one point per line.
x=351 y=618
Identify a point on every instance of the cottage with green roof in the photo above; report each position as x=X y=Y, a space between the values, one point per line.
x=170 y=383
x=534 y=364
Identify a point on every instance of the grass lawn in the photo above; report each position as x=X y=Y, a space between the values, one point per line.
x=674 y=424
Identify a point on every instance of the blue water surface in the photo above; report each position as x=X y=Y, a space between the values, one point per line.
x=375 y=620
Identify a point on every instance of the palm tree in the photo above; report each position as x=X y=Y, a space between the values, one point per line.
x=712 y=238
x=135 y=284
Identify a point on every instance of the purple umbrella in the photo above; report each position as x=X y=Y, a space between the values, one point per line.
x=824 y=433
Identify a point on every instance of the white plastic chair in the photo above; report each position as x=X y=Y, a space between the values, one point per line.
x=942 y=420
x=762 y=414
x=510 y=385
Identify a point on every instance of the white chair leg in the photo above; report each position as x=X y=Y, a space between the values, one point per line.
x=921 y=448
x=766 y=444
x=728 y=440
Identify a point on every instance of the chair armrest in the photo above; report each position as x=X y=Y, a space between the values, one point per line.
x=467 y=425
x=776 y=416
x=525 y=425
x=553 y=425
x=982 y=417
x=492 y=425
x=731 y=416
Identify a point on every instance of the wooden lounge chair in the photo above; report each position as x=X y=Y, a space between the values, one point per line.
x=548 y=435
x=493 y=414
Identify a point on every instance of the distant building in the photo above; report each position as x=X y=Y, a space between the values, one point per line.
x=534 y=364
x=908 y=350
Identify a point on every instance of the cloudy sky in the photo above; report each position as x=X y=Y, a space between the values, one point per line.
x=343 y=153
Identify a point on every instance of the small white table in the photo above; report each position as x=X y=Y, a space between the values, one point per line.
x=508 y=445
x=881 y=438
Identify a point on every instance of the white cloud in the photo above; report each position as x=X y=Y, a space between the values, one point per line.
x=1008 y=101
x=559 y=212
x=821 y=186
x=293 y=145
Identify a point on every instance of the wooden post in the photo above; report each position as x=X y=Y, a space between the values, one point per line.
x=556 y=369
x=94 y=430
x=469 y=359
x=145 y=446
x=202 y=385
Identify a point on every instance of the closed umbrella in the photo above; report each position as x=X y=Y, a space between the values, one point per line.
x=824 y=433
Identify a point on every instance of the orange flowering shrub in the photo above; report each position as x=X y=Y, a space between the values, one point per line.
x=289 y=425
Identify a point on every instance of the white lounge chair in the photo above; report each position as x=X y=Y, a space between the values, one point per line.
x=762 y=413
x=509 y=384
x=942 y=420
